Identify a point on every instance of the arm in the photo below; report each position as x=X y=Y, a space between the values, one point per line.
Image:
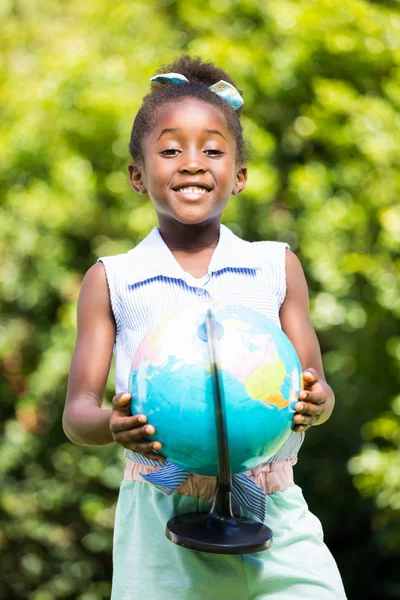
x=84 y=421
x=317 y=399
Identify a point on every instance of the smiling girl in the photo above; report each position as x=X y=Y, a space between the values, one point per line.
x=188 y=157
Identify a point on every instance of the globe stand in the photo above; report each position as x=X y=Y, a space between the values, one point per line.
x=219 y=531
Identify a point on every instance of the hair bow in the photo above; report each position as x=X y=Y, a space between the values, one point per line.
x=222 y=88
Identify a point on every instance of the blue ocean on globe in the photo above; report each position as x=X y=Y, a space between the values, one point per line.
x=171 y=383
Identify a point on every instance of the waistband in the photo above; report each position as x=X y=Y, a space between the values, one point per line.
x=270 y=477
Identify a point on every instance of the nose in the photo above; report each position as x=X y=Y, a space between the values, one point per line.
x=192 y=162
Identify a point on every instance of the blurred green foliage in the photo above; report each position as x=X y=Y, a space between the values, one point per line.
x=321 y=82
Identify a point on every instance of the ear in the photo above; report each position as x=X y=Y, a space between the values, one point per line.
x=136 y=178
x=241 y=180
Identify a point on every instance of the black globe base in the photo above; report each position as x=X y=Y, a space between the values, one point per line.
x=218 y=534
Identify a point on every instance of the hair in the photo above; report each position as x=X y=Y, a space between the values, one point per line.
x=200 y=76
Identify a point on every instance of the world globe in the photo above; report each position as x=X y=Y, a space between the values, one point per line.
x=261 y=378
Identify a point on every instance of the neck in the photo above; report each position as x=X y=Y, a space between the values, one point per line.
x=190 y=238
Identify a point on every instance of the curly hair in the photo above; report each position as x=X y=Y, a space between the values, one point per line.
x=200 y=76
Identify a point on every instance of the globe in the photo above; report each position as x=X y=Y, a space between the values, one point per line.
x=261 y=376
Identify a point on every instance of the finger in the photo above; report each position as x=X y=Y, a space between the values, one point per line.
x=132 y=423
x=154 y=456
x=146 y=450
x=306 y=419
x=301 y=428
x=121 y=403
x=306 y=396
x=303 y=422
x=308 y=409
x=136 y=436
x=310 y=375
x=145 y=447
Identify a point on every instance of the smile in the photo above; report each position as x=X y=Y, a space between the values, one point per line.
x=192 y=191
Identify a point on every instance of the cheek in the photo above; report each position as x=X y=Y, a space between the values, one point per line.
x=155 y=176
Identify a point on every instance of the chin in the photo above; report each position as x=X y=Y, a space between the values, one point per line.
x=197 y=215
x=194 y=219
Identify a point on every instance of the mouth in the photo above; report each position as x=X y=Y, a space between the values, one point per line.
x=191 y=192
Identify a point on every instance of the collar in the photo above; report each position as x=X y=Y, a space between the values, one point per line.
x=152 y=257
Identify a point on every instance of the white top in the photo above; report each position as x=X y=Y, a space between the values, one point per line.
x=147 y=283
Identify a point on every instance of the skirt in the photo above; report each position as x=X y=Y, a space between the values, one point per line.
x=147 y=566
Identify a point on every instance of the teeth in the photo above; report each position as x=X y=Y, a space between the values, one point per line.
x=193 y=190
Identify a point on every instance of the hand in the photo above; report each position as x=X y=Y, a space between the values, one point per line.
x=312 y=401
x=132 y=431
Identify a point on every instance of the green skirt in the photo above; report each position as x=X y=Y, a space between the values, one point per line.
x=147 y=566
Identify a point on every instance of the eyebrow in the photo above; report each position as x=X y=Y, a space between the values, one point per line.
x=167 y=130
x=216 y=131
x=174 y=129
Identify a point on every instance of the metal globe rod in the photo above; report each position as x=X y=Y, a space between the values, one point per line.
x=219 y=531
x=222 y=502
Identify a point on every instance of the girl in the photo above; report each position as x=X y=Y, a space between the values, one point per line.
x=188 y=157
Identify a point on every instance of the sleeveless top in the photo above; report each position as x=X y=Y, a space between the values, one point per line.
x=147 y=283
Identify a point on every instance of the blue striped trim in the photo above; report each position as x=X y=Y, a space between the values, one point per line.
x=142 y=460
x=249 y=495
x=170 y=477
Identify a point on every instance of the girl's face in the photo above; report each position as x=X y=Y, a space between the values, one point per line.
x=190 y=168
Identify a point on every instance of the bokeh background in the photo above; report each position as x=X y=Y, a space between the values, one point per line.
x=321 y=82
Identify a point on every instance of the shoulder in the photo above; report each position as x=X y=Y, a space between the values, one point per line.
x=118 y=267
x=296 y=284
x=94 y=305
x=94 y=284
x=114 y=260
x=95 y=275
x=102 y=277
x=270 y=251
x=293 y=264
x=270 y=245
x=114 y=268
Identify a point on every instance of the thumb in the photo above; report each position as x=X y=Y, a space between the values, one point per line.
x=310 y=376
x=121 y=403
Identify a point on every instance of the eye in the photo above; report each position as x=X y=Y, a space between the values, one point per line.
x=169 y=152
x=213 y=152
